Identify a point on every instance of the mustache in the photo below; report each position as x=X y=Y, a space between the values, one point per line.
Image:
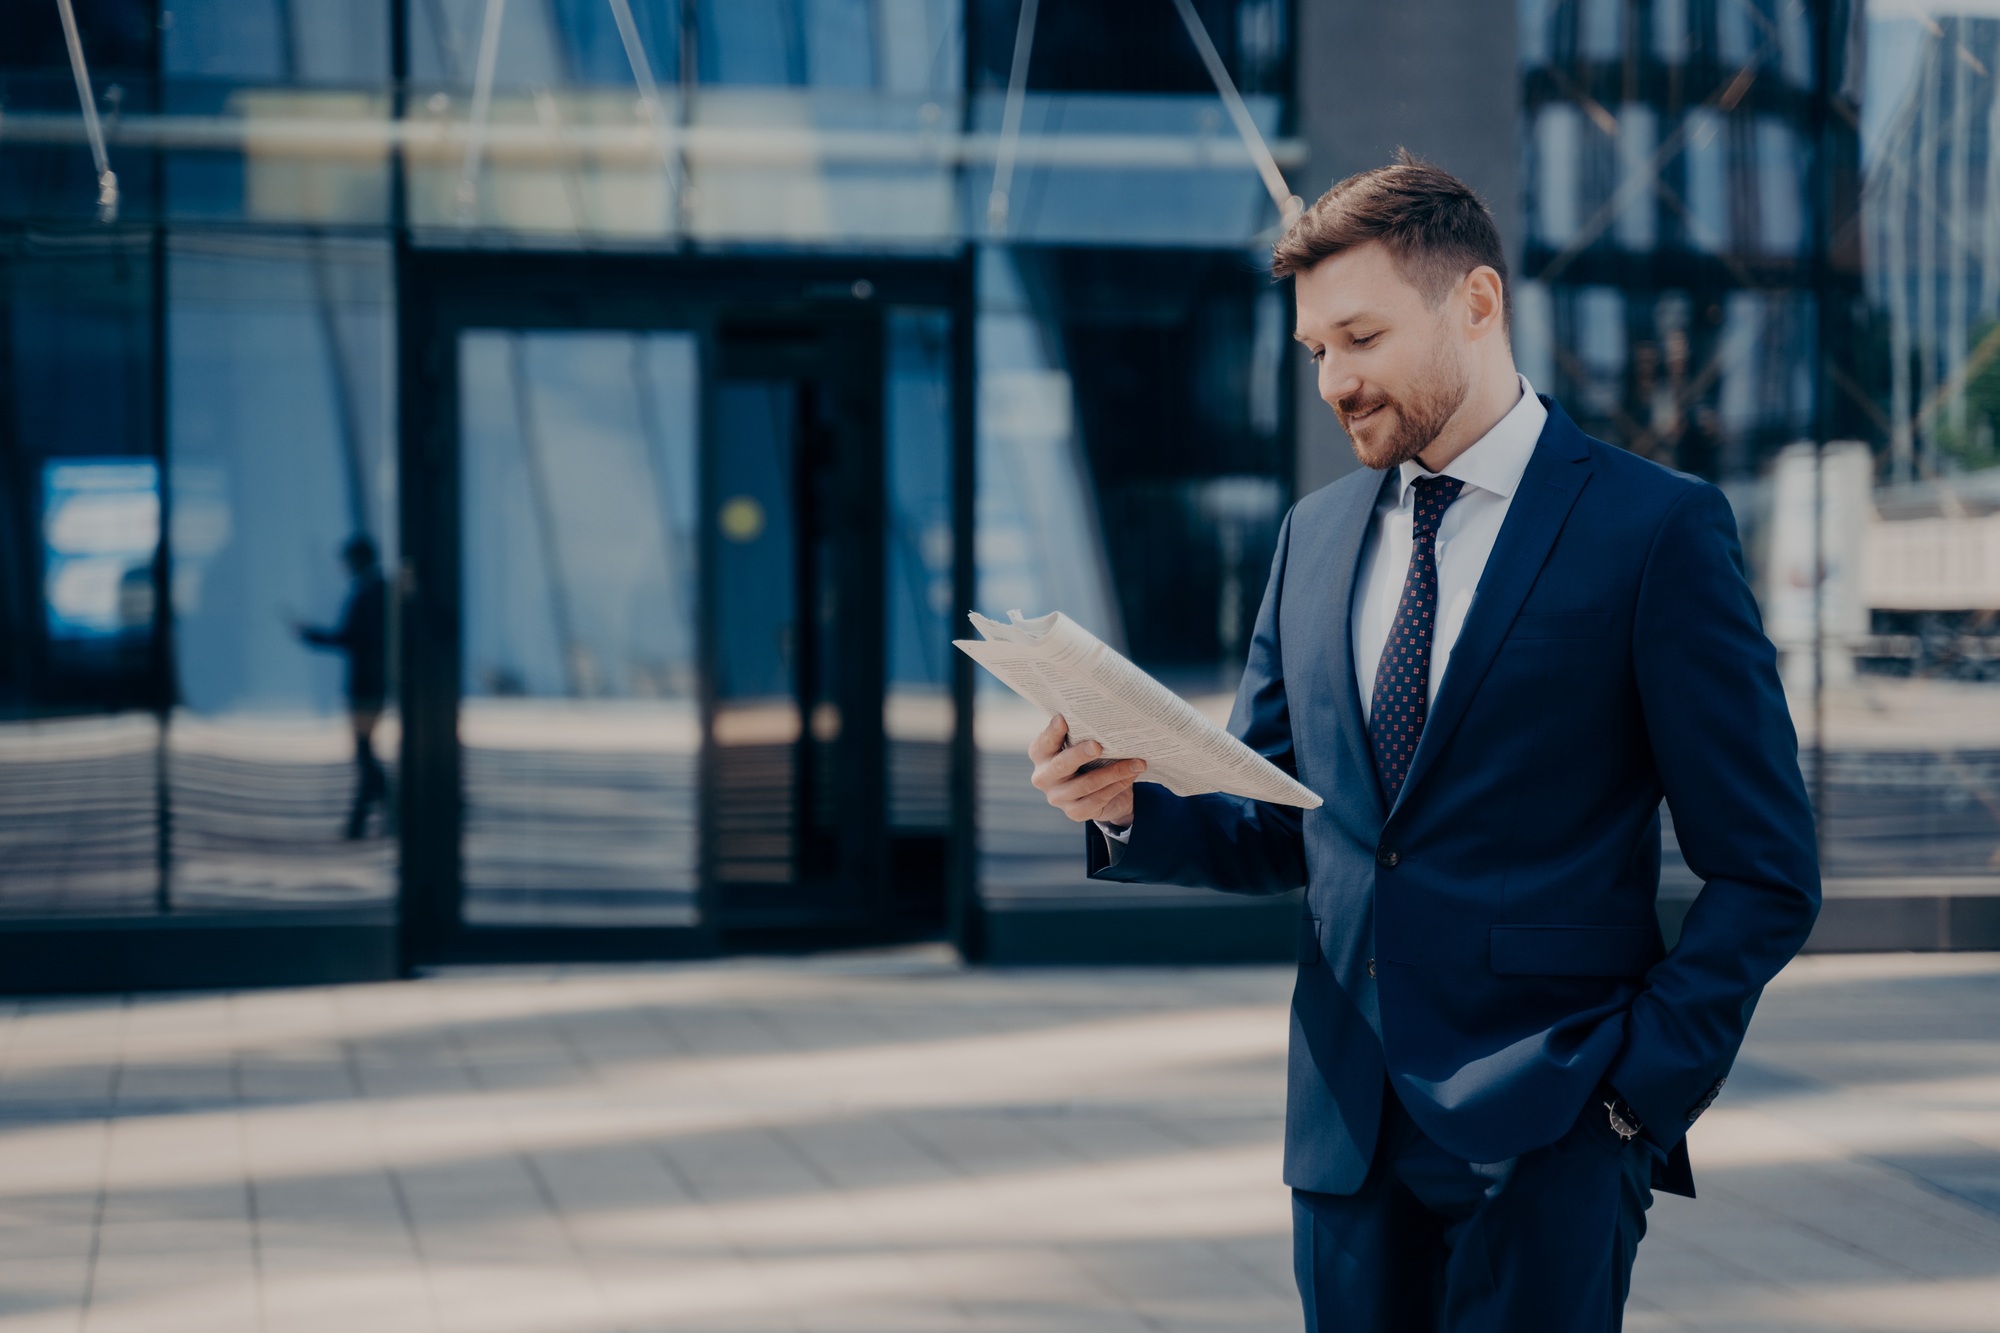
x=1355 y=406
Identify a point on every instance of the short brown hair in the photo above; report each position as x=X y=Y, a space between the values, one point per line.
x=1430 y=220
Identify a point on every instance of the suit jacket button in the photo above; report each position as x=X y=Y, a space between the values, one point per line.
x=1371 y=967
x=1387 y=856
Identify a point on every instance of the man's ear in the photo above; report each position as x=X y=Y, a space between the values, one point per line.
x=1485 y=301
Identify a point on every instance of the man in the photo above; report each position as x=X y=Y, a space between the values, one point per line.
x=1492 y=651
x=361 y=636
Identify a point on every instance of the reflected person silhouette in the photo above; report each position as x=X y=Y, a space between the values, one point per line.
x=361 y=636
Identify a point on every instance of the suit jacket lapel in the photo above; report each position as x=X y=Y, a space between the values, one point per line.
x=1341 y=559
x=1557 y=472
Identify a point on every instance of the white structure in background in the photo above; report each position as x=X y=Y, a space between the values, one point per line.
x=1947 y=563
x=1834 y=485
x=1931 y=547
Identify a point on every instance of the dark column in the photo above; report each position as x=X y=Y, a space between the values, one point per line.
x=1437 y=77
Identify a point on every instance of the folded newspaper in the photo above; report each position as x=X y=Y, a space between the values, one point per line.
x=1061 y=667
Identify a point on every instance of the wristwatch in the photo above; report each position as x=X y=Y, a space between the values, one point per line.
x=1625 y=1122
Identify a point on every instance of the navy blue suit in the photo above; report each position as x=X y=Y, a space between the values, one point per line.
x=1488 y=947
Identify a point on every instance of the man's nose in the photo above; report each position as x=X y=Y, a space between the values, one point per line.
x=1335 y=382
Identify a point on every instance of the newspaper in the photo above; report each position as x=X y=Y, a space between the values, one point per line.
x=1061 y=667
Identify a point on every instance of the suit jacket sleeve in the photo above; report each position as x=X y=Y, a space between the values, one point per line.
x=1727 y=757
x=1217 y=841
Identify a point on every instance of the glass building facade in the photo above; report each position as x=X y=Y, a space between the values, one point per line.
x=687 y=367
x=1761 y=247
x=501 y=480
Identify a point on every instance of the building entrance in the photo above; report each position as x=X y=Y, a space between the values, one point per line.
x=647 y=611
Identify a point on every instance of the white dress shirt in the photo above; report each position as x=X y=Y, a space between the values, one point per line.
x=1491 y=470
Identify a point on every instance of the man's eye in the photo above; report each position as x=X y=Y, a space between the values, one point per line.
x=1366 y=339
x=1318 y=355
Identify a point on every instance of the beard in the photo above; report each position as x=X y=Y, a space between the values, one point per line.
x=1412 y=422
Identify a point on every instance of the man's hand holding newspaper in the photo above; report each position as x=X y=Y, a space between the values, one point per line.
x=1076 y=783
x=1101 y=705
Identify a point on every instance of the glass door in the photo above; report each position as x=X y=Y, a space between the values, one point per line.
x=587 y=495
x=579 y=712
x=795 y=498
x=673 y=608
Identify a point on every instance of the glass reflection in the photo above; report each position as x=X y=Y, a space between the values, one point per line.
x=281 y=460
x=1185 y=462
x=764 y=660
x=918 y=715
x=579 y=724
x=79 y=815
x=1792 y=292
x=80 y=526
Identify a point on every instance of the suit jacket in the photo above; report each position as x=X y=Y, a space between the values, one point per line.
x=1489 y=943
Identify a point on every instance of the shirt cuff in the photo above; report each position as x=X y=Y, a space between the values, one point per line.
x=1113 y=833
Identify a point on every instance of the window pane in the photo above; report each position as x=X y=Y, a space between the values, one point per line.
x=282 y=752
x=579 y=725
x=918 y=714
x=80 y=524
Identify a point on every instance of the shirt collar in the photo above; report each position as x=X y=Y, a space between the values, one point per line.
x=1497 y=460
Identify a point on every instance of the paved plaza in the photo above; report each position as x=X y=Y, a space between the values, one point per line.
x=888 y=1142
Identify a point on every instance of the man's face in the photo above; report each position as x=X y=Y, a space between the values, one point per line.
x=1393 y=369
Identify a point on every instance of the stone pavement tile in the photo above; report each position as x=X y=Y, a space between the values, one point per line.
x=201 y=1152
x=1095 y=1136
x=1790 y=1247
x=663 y=1281
x=66 y=1081
x=610 y=1039
x=596 y=1179
x=1163 y=1275
x=51 y=1243
x=333 y=1299
x=314 y=1072
x=1871 y=1211
x=1268 y=1263
x=983 y=1142
x=50 y=1192
x=867 y=1317
x=37 y=1282
x=862 y=1152
x=1033 y=1312
x=404 y=1065
x=700 y=1032
x=347 y=1219
x=479 y=1210
x=194 y=1289
x=750 y=1163
x=1930 y=1307
x=523 y=1295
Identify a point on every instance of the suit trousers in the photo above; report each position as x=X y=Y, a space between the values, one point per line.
x=1433 y=1244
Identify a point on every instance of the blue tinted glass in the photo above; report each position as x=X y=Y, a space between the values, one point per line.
x=282 y=751
x=285 y=41
x=918 y=411
x=917 y=715
x=593 y=51
x=578 y=724
x=757 y=554
x=821 y=43
x=840 y=43
x=547 y=45
x=753 y=41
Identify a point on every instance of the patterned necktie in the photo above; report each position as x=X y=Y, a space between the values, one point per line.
x=1401 y=699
